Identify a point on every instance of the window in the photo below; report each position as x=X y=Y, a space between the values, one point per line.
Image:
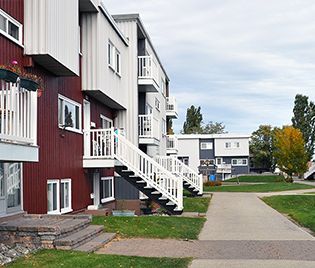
x=106 y=123
x=157 y=104
x=239 y=162
x=10 y=27
x=65 y=196
x=162 y=86
x=59 y=196
x=69 y=114
x=206 y=146
x=232 y=145
x=14 y=185
x=117 y=61
x=110 y=53
x=148 y=109
x=184 y=159
x=164 y=127
x=53 y=197
x=228 y=145
x=107 y=189
x=207 y=162
x=219 y=161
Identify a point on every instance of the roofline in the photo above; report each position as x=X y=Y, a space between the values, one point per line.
x=136 y=17
x=212 y=136
x=113 y=24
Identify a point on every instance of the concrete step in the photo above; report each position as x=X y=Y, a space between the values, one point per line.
x=78 y=238
x=96 y=243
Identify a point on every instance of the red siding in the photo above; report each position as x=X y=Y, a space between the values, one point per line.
x=15 y=8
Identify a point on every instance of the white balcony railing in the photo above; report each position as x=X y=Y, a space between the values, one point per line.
x=147 y=68
x=148 y=127
x=171 y=143
x=171 y=107
x=18 y=114
x=224 y=168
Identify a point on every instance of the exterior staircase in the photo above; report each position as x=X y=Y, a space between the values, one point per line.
x=192 y=181
x=148 y=176
x=310 y=174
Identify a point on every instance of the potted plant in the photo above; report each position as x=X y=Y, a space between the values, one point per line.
x=120 y=211
x=30 y=81
x=10 y=72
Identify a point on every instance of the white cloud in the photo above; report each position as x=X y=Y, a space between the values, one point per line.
x=242 y=61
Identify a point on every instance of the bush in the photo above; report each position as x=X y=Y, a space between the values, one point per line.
x=213 y=183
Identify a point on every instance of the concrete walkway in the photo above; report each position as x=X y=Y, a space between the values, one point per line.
x=241 y=231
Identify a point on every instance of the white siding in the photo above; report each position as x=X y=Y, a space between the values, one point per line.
x=52 y=28
x=220 y=150
x=190 y=148
x=96 y=73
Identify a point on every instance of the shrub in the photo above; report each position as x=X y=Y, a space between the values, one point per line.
x=213 y=183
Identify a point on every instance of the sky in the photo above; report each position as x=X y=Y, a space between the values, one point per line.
x=242 y=61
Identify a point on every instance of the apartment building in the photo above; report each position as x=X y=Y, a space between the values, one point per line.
x=223 y=155
x=97 y=133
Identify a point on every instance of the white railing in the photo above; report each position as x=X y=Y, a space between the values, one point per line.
x=18 y=114
x=148 y=127
x=147 y=68
x=178 y=168
x=224 y=168
x=310 y=171
x=149 y=170
x=171 y=105
x=171 y=142
x=98 y=144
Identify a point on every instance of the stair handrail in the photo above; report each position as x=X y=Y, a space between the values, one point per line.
x=149 y=170
x=175 y=166
x=310 y=171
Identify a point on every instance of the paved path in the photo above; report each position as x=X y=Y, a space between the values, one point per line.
x=241 y=231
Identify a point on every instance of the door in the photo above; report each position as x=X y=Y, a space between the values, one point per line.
x=87 y=127
x=3 y=204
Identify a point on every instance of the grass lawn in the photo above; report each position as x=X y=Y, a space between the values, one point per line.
x=152 y=226
x=259 y=188
x=298 y=207
x=258 y=178
x=57 y=259
x=196 y=204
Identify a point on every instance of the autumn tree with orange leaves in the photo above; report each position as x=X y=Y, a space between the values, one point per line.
x=289 y=152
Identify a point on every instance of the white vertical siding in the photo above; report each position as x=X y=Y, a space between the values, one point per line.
x=220 y=150
x=51 y=28
x=190 y=148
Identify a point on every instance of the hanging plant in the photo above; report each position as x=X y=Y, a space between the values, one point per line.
x=30 y=81
x=10 y=72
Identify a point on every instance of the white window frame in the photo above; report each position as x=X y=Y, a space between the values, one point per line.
x=239 y=162
x=111 y=198
x=206 y=146
x=117 y=62
x=164 y=131
x=217 y=161
x=68 y=209
x=110 y=55
x=228 y=145
x=57 y=211
x=103 y=117
x=157 y=104
x=73 y=129
x=16 y=23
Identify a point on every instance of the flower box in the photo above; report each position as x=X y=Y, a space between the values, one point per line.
x=29 y=84
x=8 y=75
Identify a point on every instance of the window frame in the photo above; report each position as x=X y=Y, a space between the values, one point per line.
x=105 y=118
x=203 y=143
x=117 y=62
x=111 y=198
x=61 y=126
x=19 y=25
x=57 y=211
x=110 y=55
x=157 y=104
x=67 y=209
x=239 y=162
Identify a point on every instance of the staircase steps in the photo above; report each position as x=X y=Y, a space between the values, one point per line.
x=96 y=243
x=191 y=189
x=78 y=238
x=149 y=191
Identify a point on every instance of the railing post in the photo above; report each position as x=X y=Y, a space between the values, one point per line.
x=201 y=183
x=180 y=193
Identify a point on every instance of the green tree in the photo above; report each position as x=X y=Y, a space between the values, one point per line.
x=261 y=147
x=304 y=120
x=214 y=128
x=193 y=121
x=289 y=151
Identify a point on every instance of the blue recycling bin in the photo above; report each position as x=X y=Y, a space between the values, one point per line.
x=212 y=177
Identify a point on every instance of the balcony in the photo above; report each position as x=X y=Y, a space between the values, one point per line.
x=18 y=123
x=171 y=107
x=149 y=131
x=224 y=168
x=98 y=148
x=147 y=74
x=171 y=144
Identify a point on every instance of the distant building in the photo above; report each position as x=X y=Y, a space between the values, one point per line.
x=223 y=155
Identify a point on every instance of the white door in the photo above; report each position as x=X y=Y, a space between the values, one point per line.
x=87 y=126
x=2 y=190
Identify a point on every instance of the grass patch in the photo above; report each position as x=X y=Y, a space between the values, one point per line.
x=259 y=188
x=152 y=226
x=57 y=259
x=298 y=207
x=196 y=204
x=267 y=178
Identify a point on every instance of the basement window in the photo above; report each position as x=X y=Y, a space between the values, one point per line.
x=10 y=27
x=107 y=189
